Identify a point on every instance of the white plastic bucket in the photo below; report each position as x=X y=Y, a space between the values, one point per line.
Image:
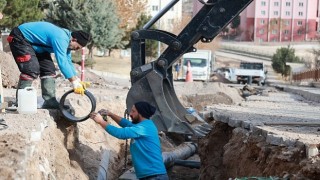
x=27 y=100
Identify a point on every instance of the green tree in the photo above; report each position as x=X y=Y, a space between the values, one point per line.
x=17 y=12
x=151 y=45
x=316 y=53
x=235 y=22
x=3 y=4
x=98 y=17
x=281 y=57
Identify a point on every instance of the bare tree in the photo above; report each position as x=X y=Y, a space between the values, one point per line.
x=129 y=11
x=316 y=53
x=308 y=61
x=181 y=24
x=317 y=58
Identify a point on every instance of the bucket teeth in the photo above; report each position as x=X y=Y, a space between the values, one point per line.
x=199 y=133
x=153 y=81
x=203 y=128
x=206 y=127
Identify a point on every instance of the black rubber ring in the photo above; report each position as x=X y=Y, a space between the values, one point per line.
x=66 y=114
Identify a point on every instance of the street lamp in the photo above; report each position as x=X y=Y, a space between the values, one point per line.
x=159 y=29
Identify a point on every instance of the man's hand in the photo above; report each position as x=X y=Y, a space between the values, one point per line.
x=98 y=119
x=104 y=113
x=79 y=87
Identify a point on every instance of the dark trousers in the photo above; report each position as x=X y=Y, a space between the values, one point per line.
x=29 y=62
x=156 y=177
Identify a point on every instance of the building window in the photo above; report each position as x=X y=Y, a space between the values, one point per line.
x=299 y=23
x=299 y=32
x=276 y=3
x=276 y=13
x=287 y=13
x=286 y=22
x=286 y=31
x=262 y=21
x=274 y=31
x=155 y=8
x=300 y=13
x=274 y=22
x=263 y=12
x=263 y=3
x=170 y=21
x=288 y=4
x=261 y=31
x=300 y=4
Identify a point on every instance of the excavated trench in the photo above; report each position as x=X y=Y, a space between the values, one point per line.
x=74 y=150
x=228 y=152
x=71 y=156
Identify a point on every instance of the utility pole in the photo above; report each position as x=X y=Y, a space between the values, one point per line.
x=2 y=108
x=159 y=43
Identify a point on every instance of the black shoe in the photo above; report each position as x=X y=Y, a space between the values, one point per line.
x=50 y=104
x=53 y=104
x=12 y=106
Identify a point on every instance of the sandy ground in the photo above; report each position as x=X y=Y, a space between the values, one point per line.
x=46 y=146
x=65 y=150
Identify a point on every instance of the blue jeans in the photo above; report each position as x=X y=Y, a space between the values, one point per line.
x=156 y=177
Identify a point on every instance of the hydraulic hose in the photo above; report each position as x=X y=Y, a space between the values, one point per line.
x=66 y=111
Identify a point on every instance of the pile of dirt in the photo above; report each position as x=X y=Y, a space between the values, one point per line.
x=9 y=70
x=226 y=62
x=199 y=95
x=62 y=150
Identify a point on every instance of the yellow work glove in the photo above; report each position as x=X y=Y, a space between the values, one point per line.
x=85 y=84
x=79 y=87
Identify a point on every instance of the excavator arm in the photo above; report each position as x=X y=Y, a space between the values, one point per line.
x=153 y=82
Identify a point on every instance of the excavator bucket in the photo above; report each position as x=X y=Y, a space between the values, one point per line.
x=153 y=81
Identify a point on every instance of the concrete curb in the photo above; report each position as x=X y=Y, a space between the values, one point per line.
x=309 y=93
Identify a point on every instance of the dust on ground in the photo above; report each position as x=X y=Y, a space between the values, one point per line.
x=65 y=150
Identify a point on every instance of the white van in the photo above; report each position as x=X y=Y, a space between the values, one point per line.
x=201 y=63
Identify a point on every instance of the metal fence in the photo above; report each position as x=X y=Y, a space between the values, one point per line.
x=313 y=75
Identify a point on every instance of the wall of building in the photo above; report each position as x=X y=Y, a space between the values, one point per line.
x=280 y=20
x=171 y=18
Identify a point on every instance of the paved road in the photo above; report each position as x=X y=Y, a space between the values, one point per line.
x=280 y=102
x=274 y=107
x=238 y=57
x=268 y=49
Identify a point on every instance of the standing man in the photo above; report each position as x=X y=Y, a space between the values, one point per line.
x=177 y=70
x=31 y=44
x=145 y=145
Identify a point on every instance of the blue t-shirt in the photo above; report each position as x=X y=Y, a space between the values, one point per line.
x=57 y=39
x=177 y=67
x=145 y=146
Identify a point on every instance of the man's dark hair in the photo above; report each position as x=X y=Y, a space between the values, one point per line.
x=145 y=109
x=82 y=37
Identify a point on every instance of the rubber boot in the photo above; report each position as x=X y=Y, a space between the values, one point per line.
x=21 y=85
x=48 y=88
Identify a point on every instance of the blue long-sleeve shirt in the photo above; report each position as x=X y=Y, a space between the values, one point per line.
x=57 y=39
x=145 y=146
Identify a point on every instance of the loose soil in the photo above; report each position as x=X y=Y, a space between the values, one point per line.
x=67 y=150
